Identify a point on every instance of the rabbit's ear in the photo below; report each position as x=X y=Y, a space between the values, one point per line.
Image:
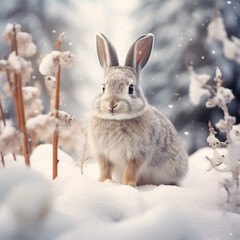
x=106 y=52
x=139 y=52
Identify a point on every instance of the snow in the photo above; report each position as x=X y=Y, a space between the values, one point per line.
x=197 y=81
x=20 y=65
x=216 y=29
x=76 y=206
x=48 y=65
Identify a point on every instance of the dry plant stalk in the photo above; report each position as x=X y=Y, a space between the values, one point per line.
x=20 y=105
x=56 y=108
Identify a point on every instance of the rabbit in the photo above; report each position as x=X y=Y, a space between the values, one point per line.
x=134 y=143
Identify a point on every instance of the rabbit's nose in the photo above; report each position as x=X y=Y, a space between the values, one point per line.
x=112 y=106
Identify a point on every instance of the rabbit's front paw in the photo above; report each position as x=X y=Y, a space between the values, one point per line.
x=131 y=172
x=105 y=169
x=129 y=181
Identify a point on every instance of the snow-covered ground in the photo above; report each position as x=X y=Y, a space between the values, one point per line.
x=76 y=206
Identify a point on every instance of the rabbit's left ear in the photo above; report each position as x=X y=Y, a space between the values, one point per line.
x=106 y=52
x=140 y=52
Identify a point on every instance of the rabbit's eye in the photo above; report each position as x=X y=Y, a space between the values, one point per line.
x=131 y=89
x=103 y=87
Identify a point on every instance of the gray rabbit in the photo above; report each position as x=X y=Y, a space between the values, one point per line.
x=134 y=143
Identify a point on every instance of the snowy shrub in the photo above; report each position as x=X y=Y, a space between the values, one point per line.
x=216 y=30
x=196 y=90
x=220 y=97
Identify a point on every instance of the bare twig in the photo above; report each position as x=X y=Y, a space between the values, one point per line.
x=56 y=107
x=214 y=166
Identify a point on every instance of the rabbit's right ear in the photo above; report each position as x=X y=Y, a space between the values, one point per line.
x=140 y=52
x=106 y=52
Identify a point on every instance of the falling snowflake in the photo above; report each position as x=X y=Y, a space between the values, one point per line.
x=186 y=133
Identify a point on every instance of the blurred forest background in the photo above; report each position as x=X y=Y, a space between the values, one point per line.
x=180 y=29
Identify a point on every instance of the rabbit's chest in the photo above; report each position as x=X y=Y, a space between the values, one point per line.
x=117 y=141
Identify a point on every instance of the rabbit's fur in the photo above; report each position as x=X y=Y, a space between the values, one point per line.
x=134 y=143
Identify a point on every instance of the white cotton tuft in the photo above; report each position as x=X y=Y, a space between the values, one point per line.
x=44 y=125
x=10 y=139
x=30 y=93
x=66 y=59
x=8 y=33
x=64 y=120
x=3 y=65
x=62 y=37
x=50 y=63
x=21 y=66
x=25 y=45
x=73 y=137
x=216 y=29
x=33 y=104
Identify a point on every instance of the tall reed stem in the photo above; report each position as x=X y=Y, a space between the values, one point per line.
x=20 y=105
x=56 y=108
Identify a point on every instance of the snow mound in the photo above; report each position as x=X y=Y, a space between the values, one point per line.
x=25 y=201
x=41 y=161
x=86 y=209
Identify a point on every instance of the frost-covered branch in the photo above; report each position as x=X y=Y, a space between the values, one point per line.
x=220 y=97
x=216 y=30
